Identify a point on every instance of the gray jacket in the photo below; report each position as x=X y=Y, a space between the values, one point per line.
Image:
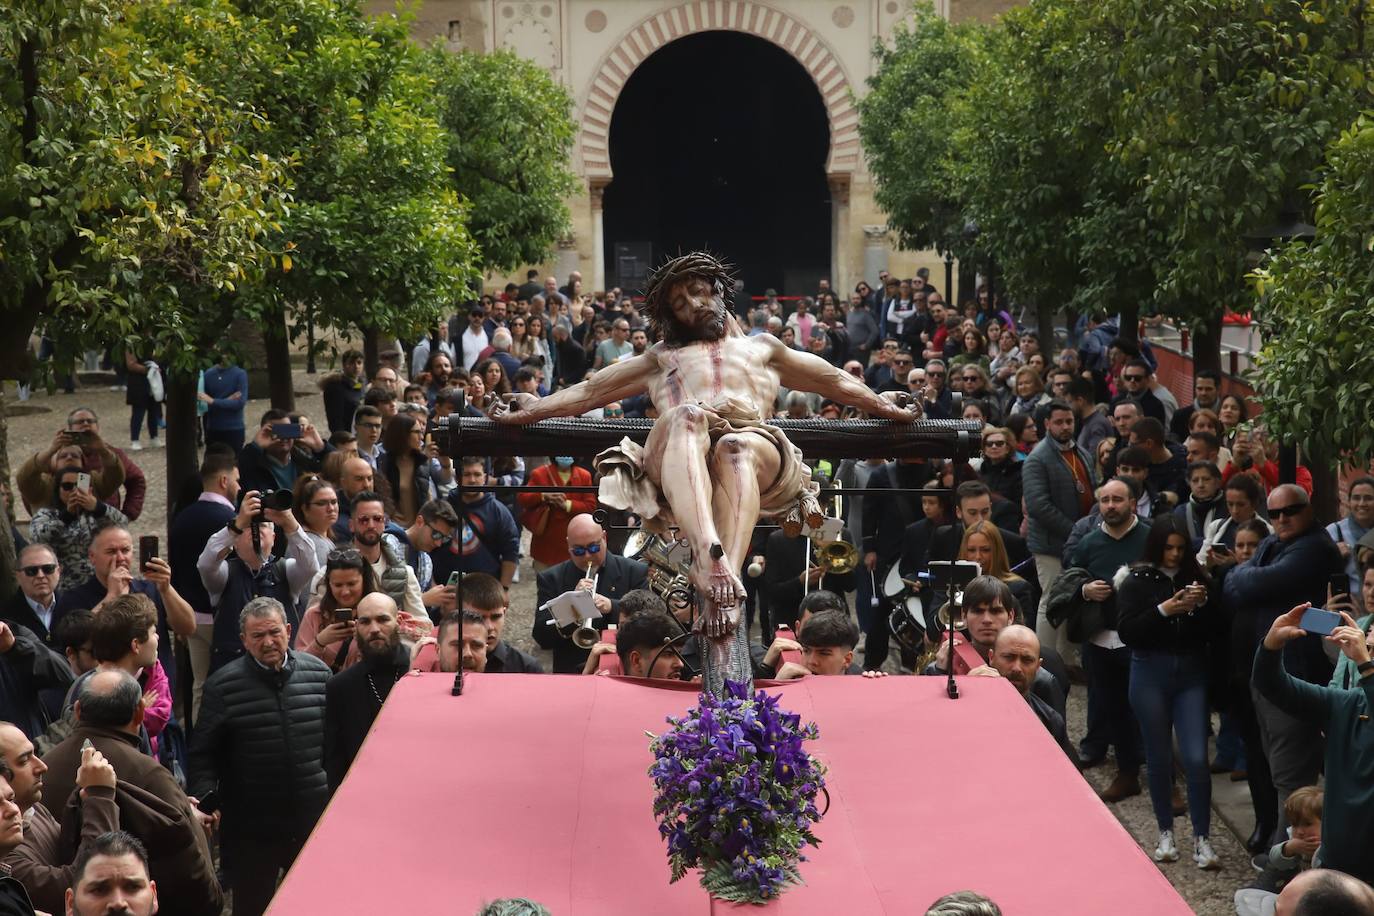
x=1051 y=497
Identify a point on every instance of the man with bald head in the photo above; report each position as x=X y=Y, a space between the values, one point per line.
x=109 y=711
x=1016 y=657
x=591 y=567
x=356 y=476
x=354 y=697
x=1292 y=566
x=1324 y=892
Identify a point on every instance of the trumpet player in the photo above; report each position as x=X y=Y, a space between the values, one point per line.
x=795 y=567
x=590 y=567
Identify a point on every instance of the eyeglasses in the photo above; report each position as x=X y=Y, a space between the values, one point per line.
x=1292 y=511
x=373 y=426
x=46 y=569
x=1133 y=378
x=995 y=443
x=324 y=503
x=902 y=362
x=973 y=378
x=81 y=421
x=439 y=537
x=613 y=413
x=935 y=372
x=579 y=551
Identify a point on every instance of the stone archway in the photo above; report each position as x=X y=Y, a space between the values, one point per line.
x=766 y=22
x=760 y=20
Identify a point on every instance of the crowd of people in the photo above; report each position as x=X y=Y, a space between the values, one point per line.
x=1142 y=550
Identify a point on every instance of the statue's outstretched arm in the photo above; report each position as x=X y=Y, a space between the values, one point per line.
x=800 y=371
x=624 y=379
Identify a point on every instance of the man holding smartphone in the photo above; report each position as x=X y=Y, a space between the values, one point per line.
x=1343 y=715
x=1292 y=566
x=284 y=447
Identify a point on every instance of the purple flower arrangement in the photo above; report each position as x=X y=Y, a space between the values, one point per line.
x=735 y=794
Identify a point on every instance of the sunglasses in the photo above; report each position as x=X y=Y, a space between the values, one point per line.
x=345 y=555
x=46 y=569
x=1292 y=511
x=592 y=549
x=936 y=374
x=439 y=537
x=1134 y=378
x=994 y=443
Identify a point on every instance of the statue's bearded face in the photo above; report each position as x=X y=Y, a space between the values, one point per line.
x=697 y=309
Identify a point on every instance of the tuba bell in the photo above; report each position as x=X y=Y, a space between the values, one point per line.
x=837 y=557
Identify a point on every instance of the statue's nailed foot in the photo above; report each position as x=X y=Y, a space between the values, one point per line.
x=721 y=595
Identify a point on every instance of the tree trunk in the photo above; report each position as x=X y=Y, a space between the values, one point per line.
x=1326 y=483
x=1207 y=345
x=8 y=560
x=1130 y=322
x=1044 y=321
x=183 y=455
x=372 y=349
x=279 y=383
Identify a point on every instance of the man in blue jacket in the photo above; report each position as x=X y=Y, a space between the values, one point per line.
x=1291 y=567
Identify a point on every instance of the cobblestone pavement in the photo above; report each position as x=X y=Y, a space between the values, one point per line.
x=1208 y=893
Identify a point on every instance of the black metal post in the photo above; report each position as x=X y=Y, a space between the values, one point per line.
x=949 y=277
x=1288 y=463
x=951 y=687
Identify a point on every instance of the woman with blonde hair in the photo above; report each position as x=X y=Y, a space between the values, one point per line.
x=983 y=544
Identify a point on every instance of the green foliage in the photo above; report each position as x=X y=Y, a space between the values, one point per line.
x=1316 y=306
x=1116 y=153
x=375 y=236
x=1228 y=107
x=128 y=196
x=510 y=138
x=905 y=122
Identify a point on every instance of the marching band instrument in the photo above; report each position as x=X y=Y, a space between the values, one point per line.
x=837 y=557
x=669 y=564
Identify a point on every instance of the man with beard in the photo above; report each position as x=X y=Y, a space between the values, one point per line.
x=259 y=743
x=112 y=878
x=1118 y=541
x=1016 y=657
x=710 y=467
x=353 y=698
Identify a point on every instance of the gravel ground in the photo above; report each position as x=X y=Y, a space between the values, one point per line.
x=1208 y=893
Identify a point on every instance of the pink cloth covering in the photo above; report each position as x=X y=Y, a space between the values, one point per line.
x=538 y=789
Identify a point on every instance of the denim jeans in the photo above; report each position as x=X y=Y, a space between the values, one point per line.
x=1169 y=696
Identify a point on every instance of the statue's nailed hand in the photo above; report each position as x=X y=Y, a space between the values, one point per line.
x=903 y=407
x=503 y=410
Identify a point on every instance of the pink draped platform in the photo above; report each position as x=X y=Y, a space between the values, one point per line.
x=535 y=786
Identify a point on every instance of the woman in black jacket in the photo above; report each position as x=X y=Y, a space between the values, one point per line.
x=1167 y=614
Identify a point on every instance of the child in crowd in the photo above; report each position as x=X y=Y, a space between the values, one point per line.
x=1303 y=811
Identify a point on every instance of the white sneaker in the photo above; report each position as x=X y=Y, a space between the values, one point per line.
x=135 y=446
x=154 y=442
x=1204 y=855
x=1166 y=851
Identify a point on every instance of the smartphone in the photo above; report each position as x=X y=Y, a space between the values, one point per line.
x=1339 y=584
x=453 y=578
x=147 y=549
x=83 y=482
x=1320 y=621
x=210 y=803
x=78 y=436
x=85 y=745
x=343 y=614
x=287 y=430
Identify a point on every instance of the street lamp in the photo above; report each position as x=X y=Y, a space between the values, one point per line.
x=1289 y=227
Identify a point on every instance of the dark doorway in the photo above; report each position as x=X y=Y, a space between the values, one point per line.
x=719 y=141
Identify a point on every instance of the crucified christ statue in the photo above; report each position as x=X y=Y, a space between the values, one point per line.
x=711 y=466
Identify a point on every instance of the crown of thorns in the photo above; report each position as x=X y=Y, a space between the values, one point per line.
x=696 y=264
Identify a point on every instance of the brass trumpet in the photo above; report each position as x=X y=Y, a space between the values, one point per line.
x=837 y=557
